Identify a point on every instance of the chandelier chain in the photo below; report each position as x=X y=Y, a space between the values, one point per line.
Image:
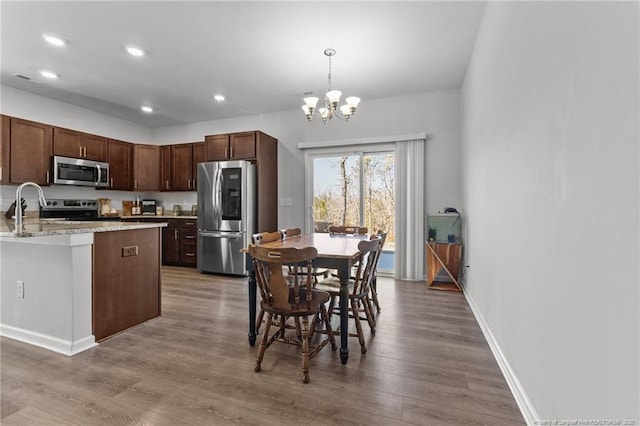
x=329 y=76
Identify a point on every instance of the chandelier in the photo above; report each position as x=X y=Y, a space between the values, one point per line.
x=331 y=101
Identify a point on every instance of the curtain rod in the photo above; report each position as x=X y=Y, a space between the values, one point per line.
x=364 y=141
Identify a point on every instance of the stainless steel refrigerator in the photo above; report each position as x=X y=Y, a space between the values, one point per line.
x=226 y=215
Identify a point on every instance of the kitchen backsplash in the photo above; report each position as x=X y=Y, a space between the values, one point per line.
x=165 y=199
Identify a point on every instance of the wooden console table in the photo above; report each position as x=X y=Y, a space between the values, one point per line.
x=443 y=266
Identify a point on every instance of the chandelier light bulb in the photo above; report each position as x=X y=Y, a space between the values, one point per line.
x=346 y=111
x=353 y=101
x=324 y=114
x=334 y=97
x=311 y=102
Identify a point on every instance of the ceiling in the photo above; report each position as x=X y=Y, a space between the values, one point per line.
x=263 y=56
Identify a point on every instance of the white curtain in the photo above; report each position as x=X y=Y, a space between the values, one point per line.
x=410 y=236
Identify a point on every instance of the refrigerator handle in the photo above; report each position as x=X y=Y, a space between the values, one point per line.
x=219 y=191
x=215 y=197
x=230 y=235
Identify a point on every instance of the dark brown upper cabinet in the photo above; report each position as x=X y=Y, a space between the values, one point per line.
x=28 y=146
x=71 y=143
x=120 y=156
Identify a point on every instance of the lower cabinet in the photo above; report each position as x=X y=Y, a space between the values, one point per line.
x=179 y=240
x=188 y=242
x=170 y=242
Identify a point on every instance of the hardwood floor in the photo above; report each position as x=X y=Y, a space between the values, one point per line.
x=428 y=364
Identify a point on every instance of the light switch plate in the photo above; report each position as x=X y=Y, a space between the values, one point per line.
x=286 y=201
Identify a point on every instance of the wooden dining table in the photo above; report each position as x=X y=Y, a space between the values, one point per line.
x=335 y=251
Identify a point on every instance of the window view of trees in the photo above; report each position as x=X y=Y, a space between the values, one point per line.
x=355 y=190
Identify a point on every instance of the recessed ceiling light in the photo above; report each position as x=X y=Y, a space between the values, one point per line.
x=219 y=98
x=146 y=108
x=49 y=74
x=135 y=50
x=53 y=39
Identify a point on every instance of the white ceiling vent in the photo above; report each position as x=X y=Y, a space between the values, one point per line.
x=25 y=77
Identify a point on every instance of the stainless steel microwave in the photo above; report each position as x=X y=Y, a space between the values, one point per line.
x=77 y=171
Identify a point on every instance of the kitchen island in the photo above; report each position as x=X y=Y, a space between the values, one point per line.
x=67 y=285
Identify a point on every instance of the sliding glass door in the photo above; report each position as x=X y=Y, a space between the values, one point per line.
x=355 y=188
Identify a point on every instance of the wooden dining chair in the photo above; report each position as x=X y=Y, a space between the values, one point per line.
x=300 y=301
x=342 y=229
x=359 y=288
x=315 y=272
x=374 y=283
x=258 y=238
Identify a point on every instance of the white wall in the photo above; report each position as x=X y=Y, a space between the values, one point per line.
x=435 y=113
x=551 y=192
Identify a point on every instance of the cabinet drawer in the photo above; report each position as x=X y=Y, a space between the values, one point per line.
x=188 y=223
x=188 y=236
x=188 y=255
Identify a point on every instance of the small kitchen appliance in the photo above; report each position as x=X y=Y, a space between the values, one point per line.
x=149 y=207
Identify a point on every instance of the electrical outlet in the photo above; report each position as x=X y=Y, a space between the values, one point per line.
x=21 y=289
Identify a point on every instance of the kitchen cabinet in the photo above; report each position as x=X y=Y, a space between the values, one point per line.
x=170 y=242
x=216 y=147
x=146 y=167
x=28 y=146
x=198 y=157
x=182 y=167
x=71 y=143
x=5 y=123
x=179 y=239
x=165 y=168
x=235 y=146
x=178 y=166
x=120 y=159
x=188 y=242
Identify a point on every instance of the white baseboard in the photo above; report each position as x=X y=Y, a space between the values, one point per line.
x=524 y=403
x=51 y=343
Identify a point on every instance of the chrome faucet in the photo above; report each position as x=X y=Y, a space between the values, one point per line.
x=43 y=202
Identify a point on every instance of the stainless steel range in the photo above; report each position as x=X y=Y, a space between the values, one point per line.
x=73 y=210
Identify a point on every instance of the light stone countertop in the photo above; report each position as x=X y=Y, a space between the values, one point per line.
x=44 y=227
